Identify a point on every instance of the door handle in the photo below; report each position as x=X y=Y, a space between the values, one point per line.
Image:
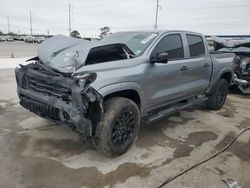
x=184 y=68
x=206 y=65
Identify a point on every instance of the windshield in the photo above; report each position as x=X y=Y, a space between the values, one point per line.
x=137 y=42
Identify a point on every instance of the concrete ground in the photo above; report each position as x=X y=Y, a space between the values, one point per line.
x=18 y=49
x=36 y=153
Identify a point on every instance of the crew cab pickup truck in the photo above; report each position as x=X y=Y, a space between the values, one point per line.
x=105 y=89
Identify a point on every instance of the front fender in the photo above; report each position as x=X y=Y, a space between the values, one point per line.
x=112 y=88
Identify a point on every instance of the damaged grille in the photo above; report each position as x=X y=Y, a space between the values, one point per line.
x=48 y=83
x=50 y=89
x=40 y=109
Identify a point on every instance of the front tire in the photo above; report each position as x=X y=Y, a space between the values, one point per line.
x=119 y=127
x=218 y=98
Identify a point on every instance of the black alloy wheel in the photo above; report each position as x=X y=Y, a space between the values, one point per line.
x=123 y=128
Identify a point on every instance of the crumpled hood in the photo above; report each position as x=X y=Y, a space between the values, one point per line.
x=231 y=45
x=67 y=54
x=61 y=52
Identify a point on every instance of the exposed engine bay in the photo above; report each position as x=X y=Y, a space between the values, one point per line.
x=107 y=53
x=242 y=60
x=68 y=54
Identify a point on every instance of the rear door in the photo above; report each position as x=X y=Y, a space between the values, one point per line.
x=199 y=65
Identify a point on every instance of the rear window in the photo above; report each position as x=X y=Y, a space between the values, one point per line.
x=196 y=45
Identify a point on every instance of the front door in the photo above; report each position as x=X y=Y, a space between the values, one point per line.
x=166 y=82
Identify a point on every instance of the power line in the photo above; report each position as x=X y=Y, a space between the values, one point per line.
x=205 y=8
x=213 y=23
x=147 y=12
x=110 y=5
x=126 y=16
x=102 y=5
x=111 y=9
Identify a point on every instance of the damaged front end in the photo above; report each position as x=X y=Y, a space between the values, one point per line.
x=242 y=60
x=242 y=73
x=60 y=97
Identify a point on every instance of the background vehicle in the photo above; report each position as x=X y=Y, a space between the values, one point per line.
x=2 y=38
x=105 y=89
x=18 y=38
x=29 y=39
x=9 y=39
x=39 y=39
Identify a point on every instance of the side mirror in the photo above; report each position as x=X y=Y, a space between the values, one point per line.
x=161 y=57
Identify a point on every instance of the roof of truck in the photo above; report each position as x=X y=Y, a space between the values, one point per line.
x=161 y=31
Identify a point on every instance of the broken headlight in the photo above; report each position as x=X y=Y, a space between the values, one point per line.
x=84 y=79
x=244 y=64
x=72 y=61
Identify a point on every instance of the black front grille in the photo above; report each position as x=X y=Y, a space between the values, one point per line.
x=44 y=82
x=50 y=89
x=40 y=109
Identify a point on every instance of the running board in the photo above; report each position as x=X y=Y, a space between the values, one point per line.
x=174 y=108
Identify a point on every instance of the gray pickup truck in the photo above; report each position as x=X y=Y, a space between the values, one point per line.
x=105 y=89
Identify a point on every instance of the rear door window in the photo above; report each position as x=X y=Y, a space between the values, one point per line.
x=196 y=45
x=172 y=44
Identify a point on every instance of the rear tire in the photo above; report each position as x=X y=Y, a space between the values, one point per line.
x=119 y=127
x=218 y=98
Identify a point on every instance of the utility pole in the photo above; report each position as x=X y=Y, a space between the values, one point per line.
x=30 y=24
x=69 y=19
x=8 y=21
x=156 y=15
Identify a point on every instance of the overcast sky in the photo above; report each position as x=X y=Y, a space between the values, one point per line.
x=206 y=16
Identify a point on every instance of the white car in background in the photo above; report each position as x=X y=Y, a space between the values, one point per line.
x=39 y=39
x=29 y=39
x=9 y=39
x=2 y=38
